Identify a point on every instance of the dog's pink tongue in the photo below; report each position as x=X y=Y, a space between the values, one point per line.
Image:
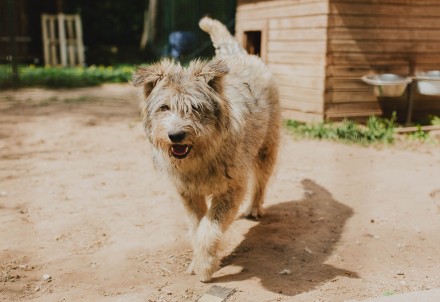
x=180 y=149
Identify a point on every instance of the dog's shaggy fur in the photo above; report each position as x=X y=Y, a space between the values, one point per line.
x=211 y=125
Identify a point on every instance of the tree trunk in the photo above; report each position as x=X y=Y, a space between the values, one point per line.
x=149 y=28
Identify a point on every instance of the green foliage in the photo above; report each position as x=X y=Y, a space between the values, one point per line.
x=56 y=77
x=380 y=129
x=434 y=120
x=376 y=130
x=388 y=293
x=419 y=134
x=422 y=135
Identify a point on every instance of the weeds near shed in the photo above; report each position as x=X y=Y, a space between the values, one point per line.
x=434 y=120
x=376 y=130
x=419 y=134
x=423 y=135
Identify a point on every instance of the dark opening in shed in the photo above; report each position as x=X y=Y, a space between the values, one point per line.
x=253 y=42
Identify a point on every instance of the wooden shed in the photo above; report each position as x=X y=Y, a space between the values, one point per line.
x=319 y=49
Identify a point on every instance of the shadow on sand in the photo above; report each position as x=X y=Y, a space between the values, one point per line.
x=294 y=236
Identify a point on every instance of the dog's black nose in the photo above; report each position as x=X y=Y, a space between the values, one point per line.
x=176 y=136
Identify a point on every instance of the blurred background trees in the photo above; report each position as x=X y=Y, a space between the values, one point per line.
x=115 y=31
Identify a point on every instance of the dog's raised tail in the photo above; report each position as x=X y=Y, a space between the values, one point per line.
x=224 y=43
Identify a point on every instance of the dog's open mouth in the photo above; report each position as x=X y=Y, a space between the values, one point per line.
x=180 y=151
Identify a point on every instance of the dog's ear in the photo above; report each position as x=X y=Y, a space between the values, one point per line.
x=146 y=77
x=213 y=73
x=149 y=76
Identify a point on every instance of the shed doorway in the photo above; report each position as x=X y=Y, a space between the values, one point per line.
x=253 y=42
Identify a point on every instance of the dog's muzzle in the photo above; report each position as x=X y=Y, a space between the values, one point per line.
x=180 y=151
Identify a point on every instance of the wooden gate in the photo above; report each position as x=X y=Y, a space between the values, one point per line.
x=62 y=40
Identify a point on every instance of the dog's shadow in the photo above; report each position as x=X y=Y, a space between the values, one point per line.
x=287 y=250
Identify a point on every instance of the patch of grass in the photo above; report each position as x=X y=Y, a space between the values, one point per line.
x=388 y=293
x=376 y=130
x=419 y=135
x=55 y=77
x=422 y=135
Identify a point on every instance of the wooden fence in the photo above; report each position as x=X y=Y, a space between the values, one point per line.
x=62 y=40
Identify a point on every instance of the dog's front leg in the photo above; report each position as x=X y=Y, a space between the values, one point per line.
x=196 y=208
x=222 y=212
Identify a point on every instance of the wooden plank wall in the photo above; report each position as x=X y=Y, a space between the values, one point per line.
x=295 y=32
x=378 y=36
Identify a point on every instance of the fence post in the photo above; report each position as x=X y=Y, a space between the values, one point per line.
x=62 y=39
x=44 y=19
x=79 y=40
x=70 y=38
x=53 y=42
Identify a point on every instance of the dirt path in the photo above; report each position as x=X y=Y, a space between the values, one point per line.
x=80 y=202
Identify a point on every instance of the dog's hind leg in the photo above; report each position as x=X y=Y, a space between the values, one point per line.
x=263 y=167
x=222 y=212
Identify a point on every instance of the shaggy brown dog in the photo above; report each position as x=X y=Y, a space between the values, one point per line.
x=211 y=125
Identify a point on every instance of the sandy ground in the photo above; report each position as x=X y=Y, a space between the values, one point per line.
x=81 y=204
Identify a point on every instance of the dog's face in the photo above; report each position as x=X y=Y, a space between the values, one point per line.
x=183 y=110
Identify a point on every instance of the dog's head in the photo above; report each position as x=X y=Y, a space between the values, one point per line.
x=183 y=110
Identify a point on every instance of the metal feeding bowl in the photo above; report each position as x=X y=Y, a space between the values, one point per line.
x=387 y=84
x=428 y=82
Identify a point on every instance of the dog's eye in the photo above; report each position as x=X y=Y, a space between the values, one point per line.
x=164 y=108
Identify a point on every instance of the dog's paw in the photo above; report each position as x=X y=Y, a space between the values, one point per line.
x=254 y=213
x=205 y=267
x=206 y=277
x=205 y=273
